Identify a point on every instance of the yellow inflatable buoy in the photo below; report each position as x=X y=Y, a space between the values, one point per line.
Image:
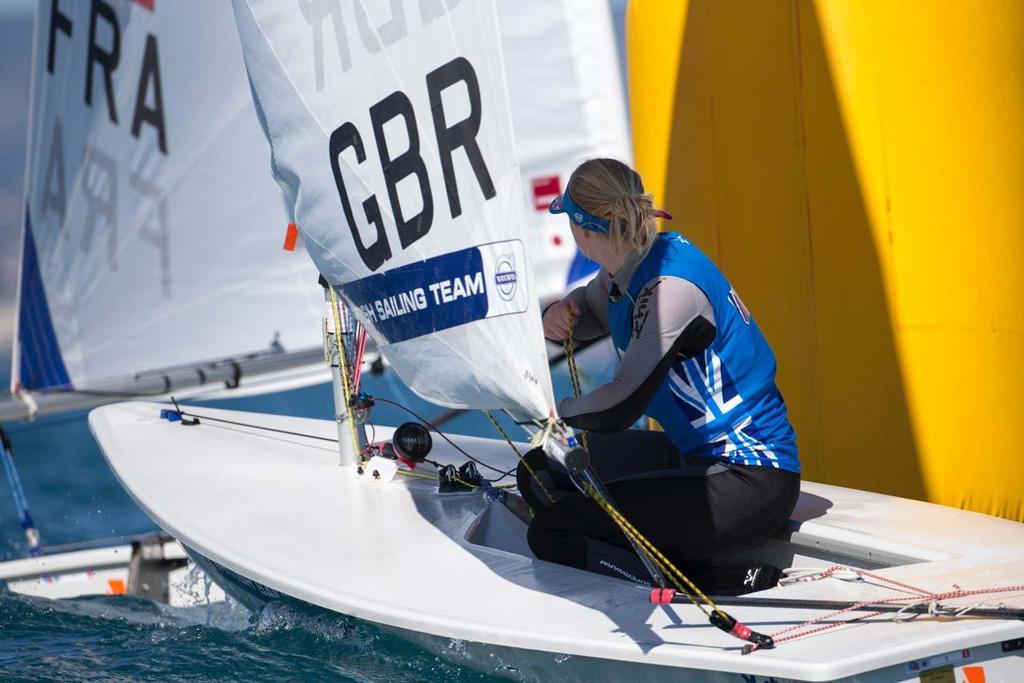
x=857 y=169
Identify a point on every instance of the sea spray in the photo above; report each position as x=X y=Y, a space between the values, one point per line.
x=128 y=639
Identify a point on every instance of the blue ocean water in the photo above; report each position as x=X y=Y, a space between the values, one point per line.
x=74 y=497
x=126 y=639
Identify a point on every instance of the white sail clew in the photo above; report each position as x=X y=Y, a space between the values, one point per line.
x=390 y=131
x=154 y=228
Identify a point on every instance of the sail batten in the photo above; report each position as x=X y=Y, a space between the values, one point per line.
x=396 y=146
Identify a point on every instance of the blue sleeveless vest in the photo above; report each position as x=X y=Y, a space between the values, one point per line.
x=723 y=403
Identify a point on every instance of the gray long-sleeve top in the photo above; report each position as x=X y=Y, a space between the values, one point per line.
x=672 y=319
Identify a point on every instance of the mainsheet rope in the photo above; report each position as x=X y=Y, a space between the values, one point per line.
x=718 y=617
x=681 y=581
x=519 y=455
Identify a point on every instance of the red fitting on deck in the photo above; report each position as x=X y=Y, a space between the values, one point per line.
x=662 y=596
x=740 y=631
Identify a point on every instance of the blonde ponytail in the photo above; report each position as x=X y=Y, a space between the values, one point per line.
x=609 y=189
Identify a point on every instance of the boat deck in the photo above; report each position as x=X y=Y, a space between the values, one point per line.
x=278 y=510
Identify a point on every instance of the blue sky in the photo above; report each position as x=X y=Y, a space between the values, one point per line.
x=15 y=8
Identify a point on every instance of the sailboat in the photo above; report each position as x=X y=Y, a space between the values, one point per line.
x=144 y=228
x=159 y=255
x=391 y=136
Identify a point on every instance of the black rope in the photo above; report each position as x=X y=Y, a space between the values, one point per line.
x=454 y=445
x=581 y=344
x=1007 y=612
x=253 y=426
x=444 y=436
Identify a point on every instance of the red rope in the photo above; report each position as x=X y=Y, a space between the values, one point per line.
x=921 y=595
x=357 y=371
x=862 y=573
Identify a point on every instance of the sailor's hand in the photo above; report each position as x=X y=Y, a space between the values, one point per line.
x=559 y=318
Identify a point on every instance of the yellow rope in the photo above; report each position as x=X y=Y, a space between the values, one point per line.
x=680 y=580
x=519 y=455
x=410 y=473
x=343 y=365
x=576 y=381
x=574 y=372
x=682 y=583
x=433 y=477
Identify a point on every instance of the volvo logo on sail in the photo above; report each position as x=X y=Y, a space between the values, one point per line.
x=505 y=277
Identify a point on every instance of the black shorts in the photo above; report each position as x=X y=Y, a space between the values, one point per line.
x=692 y=510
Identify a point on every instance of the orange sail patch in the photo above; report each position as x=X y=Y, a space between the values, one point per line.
x=291 y=236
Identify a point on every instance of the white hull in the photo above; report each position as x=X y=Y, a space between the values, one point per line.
x=452 y=572
x=152 y=566
x=538 y=665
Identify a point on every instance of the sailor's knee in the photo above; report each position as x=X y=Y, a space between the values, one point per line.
x=548 y=542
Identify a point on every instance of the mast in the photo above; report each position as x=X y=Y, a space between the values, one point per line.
x=15 y=346
x=351 y=440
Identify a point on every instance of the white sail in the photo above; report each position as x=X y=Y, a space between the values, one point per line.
x=390 y=131
x=568 y=104
x=154 y=228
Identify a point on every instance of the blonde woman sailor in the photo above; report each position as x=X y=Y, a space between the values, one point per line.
x=724 y=474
